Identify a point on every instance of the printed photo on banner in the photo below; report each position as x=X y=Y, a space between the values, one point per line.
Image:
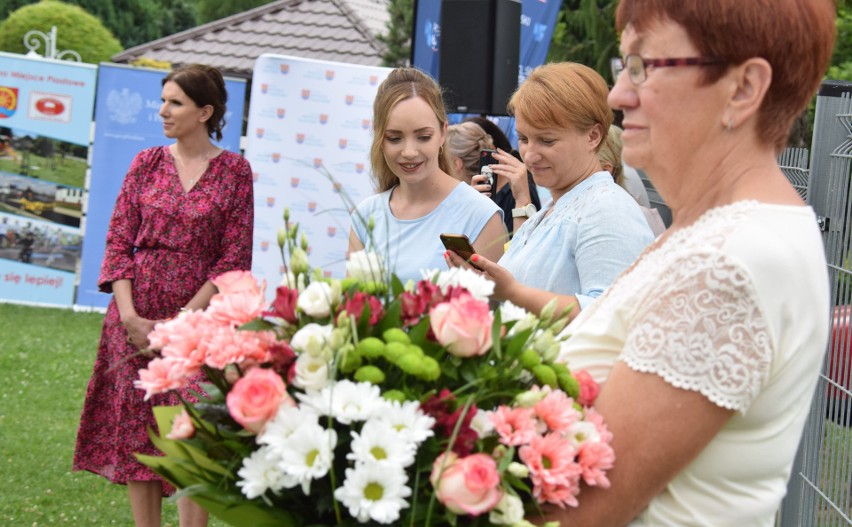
x=32 y=241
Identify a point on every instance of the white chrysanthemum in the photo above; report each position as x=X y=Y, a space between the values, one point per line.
x=408 y=420
x=288 y=419
x=509 y=511
x=311 y=373
x=582 y=432
x=260 y=472
x=480 y=287
x=346 y=401
x=374 y=492
x=378 y=442
x=365 y=266
x=313 y=339
x=481 y=424
x=317 y=299
x=308 y=453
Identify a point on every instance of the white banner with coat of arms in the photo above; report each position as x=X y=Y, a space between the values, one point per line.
x=308 y=141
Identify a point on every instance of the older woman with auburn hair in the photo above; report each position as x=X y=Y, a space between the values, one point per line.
x=709 y=346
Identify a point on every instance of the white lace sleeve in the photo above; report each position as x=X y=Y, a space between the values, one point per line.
x=704 y=331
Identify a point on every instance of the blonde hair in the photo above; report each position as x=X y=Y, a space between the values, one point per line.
x=402 y=84
x=610 y=153
x=465 y=140
x=563 y=95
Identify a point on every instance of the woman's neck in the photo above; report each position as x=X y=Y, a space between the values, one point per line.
x=194 y=146
x=415 y=200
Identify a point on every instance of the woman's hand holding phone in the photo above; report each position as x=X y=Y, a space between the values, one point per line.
x=503 y=280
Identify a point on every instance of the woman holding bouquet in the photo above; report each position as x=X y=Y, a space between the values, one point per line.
x=592 y=229
x=418 y=198
x=184 y=215
x=709 y=346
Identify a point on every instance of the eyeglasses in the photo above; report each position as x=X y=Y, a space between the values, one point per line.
x=637 y=67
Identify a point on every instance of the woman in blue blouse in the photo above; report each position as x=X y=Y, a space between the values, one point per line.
x=592 y=229
x=418 y=198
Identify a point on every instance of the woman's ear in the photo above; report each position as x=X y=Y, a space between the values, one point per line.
x=595 y=136
x=752 y=80
x=206 y=113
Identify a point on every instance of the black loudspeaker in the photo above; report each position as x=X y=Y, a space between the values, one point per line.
x=480 y=48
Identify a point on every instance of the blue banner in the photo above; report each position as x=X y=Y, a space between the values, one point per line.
x=126 y=121
x=51 y=98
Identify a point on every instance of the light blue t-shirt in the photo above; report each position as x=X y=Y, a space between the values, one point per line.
x=411 y=245
x=595 y=231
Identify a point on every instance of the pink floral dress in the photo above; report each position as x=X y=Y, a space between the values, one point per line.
x=168 y=242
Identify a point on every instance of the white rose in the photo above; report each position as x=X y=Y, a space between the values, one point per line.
x=365 y=266
x=316 y=300
x=313 y=340
x=509 y=511
x=311 y=373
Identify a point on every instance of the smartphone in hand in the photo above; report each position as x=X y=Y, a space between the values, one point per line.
x=459 y=244
x=486 y=157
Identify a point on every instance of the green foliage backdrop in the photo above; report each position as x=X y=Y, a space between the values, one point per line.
x=76 y=30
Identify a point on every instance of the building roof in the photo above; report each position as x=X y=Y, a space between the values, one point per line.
x=337 y=30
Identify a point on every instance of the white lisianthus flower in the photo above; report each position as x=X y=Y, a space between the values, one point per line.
x=311 y=373
x=480 y=288
x=365 y=266
x=346 y=401
x=519 y=470
x=308 y=453
x=313 y=339
x=317 y=300
x=260 y=473
x=509 y=511
x=378 y=443
x=408 y=421
x=375 y=492
x=582 y=432
x=481 y=424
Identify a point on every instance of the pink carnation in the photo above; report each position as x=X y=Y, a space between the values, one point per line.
x=557 y=411
x=228 y=345
x=595 y=459
x=515 y=426
x=553 y=470
x=236 y=308
x=160 y=376
x=236 y=282
x=184 y=338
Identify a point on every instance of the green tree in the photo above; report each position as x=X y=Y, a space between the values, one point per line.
x=76 y=30
x=209 y=10
x=585 y=33
x=398 y=36
x=133 y=22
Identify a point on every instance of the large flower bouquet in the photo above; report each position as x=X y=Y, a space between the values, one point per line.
x=366 y=400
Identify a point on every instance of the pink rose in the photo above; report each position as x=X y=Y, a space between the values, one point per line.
x=182 y=427
x=255 y=398
x=588 y=388
x=468 y=485
x=463 y=325
x=236 y=282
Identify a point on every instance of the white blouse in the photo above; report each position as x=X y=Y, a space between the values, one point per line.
x=734 y=307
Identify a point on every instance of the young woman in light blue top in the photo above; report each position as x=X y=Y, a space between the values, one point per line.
x=592 y=229
x=418 y=198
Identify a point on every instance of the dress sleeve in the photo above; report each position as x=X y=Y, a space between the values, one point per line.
x=704 y=331
x=235 y=247
x=123 y=228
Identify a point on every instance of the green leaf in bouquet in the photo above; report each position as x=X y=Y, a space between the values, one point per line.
x=397 y=287
x=518 y=343
x=392 y=318
x=258 y=324
x=234 y=509
x=496 y=336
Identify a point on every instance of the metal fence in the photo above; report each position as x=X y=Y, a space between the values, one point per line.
x=820 y=488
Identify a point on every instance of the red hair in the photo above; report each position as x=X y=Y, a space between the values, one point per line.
x=796 y=37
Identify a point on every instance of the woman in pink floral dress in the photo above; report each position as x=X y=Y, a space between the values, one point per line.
x=184 y=215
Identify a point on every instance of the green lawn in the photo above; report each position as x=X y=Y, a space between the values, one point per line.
x=46 y=357
x=70 y=172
